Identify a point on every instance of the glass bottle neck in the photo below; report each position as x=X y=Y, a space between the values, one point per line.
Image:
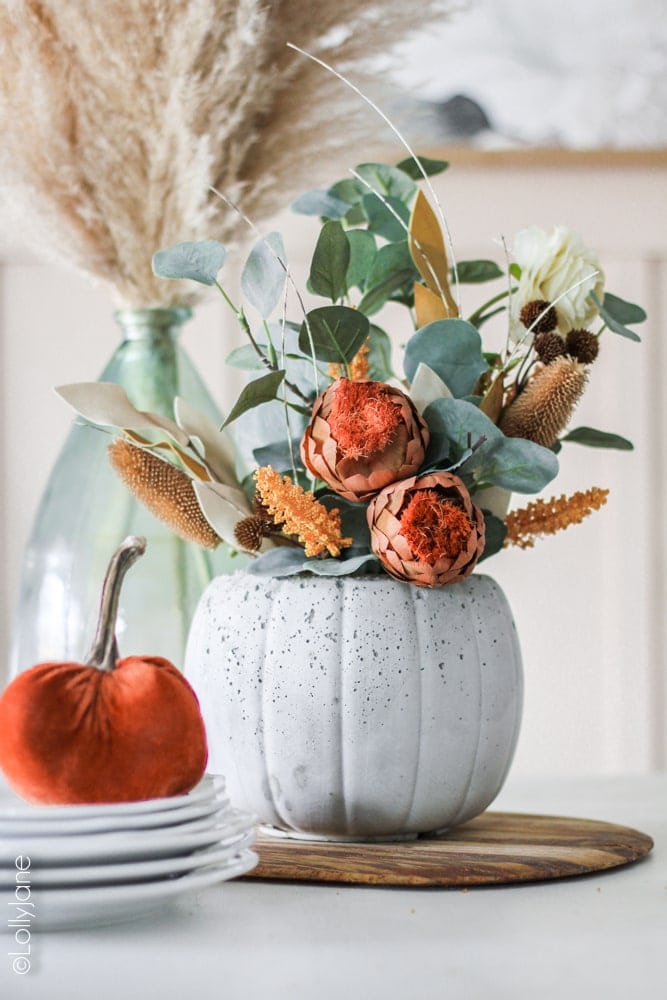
x=152 y=324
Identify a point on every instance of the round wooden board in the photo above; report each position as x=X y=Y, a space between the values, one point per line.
x=495 y=848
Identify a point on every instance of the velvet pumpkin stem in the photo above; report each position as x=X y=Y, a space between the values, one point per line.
x=104 y=650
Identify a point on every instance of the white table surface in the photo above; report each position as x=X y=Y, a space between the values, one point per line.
x=599 y=936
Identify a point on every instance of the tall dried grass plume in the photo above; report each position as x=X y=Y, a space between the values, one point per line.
x=118 y=117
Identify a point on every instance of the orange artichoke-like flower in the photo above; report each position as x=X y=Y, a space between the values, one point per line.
x=426 y=530
x=363 y=436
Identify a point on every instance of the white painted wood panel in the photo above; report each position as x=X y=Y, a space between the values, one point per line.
x=589 y=603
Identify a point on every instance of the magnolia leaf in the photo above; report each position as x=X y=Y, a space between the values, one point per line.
x=217 y=449
x=197 y=261
x=362 y=256
x=337 y=333
x=246 y=358
x=429 y=307
x=598 y=439
x=223 y=507
x=452 y=348
x=616 y=313
x=280 y=561
x=322 y=203
x=338 y=567
x=430 y=167
x=331 y=258
x=108 y=404
x=492 y=401
x=260 y=390
x=264 y=274
x=427 y=247
x=474 y=272
x=426 y=387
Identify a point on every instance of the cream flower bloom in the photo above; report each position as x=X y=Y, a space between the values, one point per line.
x=552 y=264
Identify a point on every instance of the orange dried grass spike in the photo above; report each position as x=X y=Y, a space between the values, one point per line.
x=546 y=517
x=166 y=491
x=300 y=514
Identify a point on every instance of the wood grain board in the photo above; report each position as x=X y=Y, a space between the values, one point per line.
x=495 y=848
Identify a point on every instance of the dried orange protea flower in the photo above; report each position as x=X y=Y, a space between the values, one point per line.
x=357 y=368
x=426 y=530
x=363 y=436
x=300 y=514
x=165 y=490
x=543 y=409
x=546 y=517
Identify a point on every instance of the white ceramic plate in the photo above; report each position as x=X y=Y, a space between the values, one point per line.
x=12 y=807
x=63 y=876
x=43 y=826
x=127 y=845
x=59 y=909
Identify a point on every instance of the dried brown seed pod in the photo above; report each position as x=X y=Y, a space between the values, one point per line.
x=539 y=316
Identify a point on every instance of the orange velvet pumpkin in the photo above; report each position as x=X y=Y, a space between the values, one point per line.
x=107 y=730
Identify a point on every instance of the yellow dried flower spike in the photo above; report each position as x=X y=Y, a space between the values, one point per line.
x=357 y=368
x=546 y=517
x=165 y=490
x=300 y=514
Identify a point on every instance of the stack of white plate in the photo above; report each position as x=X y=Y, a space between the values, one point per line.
x=101 y=864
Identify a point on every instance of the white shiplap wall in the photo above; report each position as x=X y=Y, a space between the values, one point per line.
x=590 y=603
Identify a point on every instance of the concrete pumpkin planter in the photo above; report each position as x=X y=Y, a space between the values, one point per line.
x=357 y=707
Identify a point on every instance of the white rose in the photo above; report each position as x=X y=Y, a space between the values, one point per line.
x=559 y=268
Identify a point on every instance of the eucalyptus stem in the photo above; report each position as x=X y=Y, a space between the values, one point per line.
x=245 y=326
x=104 y=650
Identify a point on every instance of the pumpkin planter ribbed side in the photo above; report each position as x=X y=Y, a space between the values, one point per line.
x=357 y=707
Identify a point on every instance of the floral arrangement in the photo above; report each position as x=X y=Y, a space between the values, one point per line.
x=360 y=468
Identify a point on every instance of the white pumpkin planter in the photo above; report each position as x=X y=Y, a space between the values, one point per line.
x=357 y=707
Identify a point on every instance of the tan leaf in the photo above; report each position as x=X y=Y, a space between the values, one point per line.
x=427 y=247
x=429 y=307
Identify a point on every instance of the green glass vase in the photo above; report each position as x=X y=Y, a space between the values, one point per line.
x=86 y=512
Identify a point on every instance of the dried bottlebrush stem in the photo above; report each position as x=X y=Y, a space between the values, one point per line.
x=300 y=514
x=546 y=517
x=357 y=370
x=543 y=409
x=165 y=490
x=118 y=117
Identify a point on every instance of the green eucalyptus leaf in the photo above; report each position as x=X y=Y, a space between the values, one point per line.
x=452 y=348
x=337 y=333
x=348 y=190
x=616 y=313
x=196 y=261
x=473 y=272
x=339 y=567
x=322 y=203
x=281 y=561
x=431 y=167
x=382 y=217
x=260 y=390
x=379 y=355
x=389 y=181
x=264 y=275
x=512 y=463
x=392 y=270
x=245 y=358
x=362 y=255
x=598 y=439
x=515 y=270
x=328 y=268
x=277 y=454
